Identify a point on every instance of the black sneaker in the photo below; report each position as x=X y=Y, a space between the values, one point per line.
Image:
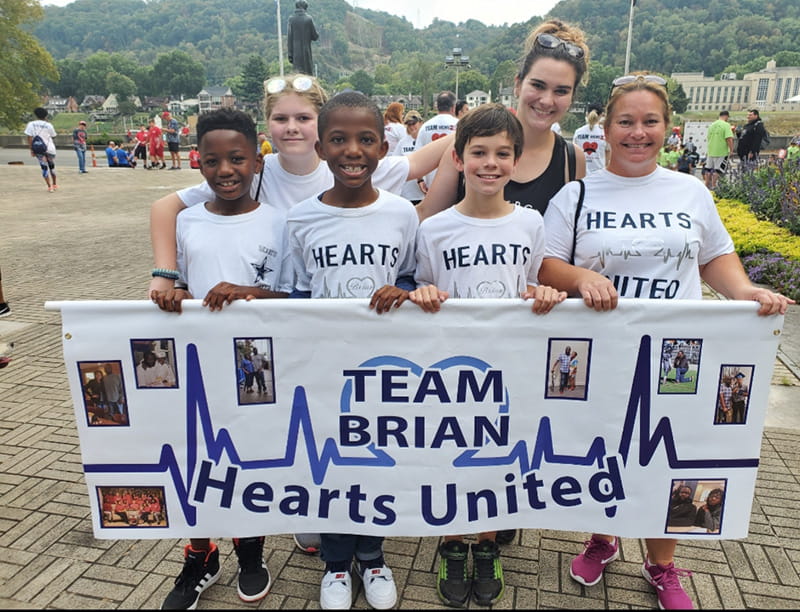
x=453 y=583
x=200 y=571
x=254 y=577
x=505 y=536
x=5 y=309
x=487 y=573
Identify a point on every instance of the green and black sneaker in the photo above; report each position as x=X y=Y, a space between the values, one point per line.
x=453 y=584
x=487 y=573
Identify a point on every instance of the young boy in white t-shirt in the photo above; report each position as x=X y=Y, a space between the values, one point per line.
x=229 y=248
x=353 y=241
x=483 y=247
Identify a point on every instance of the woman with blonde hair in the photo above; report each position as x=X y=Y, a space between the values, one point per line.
x=555 y=63
x=638 y=116
x=393 y=125
x=591 y=138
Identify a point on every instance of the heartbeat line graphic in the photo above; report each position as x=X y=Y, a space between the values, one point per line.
x=220 y=443
x=638 y=406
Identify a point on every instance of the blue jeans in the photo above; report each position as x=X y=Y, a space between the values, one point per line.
x=81 y=153
x=346 y=546
x=679 y=375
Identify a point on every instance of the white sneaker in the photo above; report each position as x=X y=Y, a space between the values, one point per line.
x=336 y=591
x=379 y=587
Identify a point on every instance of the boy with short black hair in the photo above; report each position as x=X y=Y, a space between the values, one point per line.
x=483 y=247
x=328 y=236
x=229 y=248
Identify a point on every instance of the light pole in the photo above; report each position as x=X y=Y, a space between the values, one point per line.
x=280 y=36
x=458 y=61
x=630 y=33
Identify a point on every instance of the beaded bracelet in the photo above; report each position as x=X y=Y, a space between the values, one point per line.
x=165 y=273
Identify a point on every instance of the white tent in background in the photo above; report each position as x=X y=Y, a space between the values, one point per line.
x=793 y=99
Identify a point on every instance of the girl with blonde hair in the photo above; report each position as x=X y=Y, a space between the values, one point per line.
x=591 y=138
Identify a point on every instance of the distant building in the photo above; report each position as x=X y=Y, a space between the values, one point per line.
x=769 y=89
x=111 y=106
x=477 y=97
x=506 y=97
x=154 y=104
x=55 y=105
x=92 y=102
x=409 y=102
x=212 y=98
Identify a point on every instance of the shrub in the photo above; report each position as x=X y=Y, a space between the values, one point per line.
x=772 y=192
x=752 y=235
x=774 y=270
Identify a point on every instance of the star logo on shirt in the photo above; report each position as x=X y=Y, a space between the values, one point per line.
x=261 y=269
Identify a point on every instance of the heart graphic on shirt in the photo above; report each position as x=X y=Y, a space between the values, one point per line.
x=361 y=287
x=491 y=289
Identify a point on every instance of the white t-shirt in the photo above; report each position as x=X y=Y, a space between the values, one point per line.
x=394 y=133
x=164 y=374
x=44 y=129
x=480 y=258
x=648 y=234
x=250 y=249
x=433 y=129
x=282 y=190
x=592 y=140
x=352 y=252
x=146 y=377
x=410 y=190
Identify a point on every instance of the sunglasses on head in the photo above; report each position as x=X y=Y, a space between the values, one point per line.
x=412 y=121
x=632 y=78
x=551 y=41
x=300 y=83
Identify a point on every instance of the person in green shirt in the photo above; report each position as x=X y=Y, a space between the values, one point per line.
x=672 y=156
x=720 y=148
x=793 y=152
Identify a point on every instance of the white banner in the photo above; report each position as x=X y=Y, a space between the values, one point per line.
x=284 y=416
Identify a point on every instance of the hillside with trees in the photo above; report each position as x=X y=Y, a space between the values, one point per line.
x=173 y=47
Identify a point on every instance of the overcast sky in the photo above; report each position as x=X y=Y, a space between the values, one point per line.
x=421 y=12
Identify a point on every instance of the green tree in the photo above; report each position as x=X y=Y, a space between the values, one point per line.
x=250 y=87
x=25 y=65
x=94 y=72
x=677 y=97
x=503 y=76
x=177 y=73
x=67 y=85
x=362 y=82
x=121 y=85
x=599 y=86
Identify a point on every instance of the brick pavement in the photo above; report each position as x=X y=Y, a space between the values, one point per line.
x=90 y=240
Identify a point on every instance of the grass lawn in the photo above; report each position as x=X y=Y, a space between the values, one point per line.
x=675 y=387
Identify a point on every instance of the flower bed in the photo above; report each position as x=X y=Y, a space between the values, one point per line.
x=770 y=254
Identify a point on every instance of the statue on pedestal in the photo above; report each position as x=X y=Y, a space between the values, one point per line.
x=301 y=33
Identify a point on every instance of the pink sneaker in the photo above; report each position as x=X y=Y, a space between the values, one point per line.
x=587 y=568
x=666 y=580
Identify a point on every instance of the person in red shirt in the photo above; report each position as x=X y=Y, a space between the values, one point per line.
x=194 y=157
x=140 y=148
x=156 y=146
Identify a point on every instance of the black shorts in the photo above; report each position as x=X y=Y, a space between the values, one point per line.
x=174 y=147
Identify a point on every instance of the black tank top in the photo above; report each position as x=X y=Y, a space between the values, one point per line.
x=537 y=192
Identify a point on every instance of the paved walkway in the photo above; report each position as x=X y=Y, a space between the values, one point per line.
x=90 y=240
